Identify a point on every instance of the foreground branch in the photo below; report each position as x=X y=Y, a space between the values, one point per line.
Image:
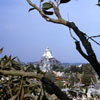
x=54 y=88
x=21 y=73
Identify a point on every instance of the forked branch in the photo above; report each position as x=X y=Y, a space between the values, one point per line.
x=90 y=56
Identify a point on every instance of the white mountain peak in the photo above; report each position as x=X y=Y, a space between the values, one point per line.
x=47 y=53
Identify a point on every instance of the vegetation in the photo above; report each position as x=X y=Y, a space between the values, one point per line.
x=20 y=82
x=24 y=82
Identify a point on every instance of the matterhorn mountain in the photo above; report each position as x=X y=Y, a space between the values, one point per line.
x=47 y=61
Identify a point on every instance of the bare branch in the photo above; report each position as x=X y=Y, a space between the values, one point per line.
x=91 y=37
x=72 y=35
x=94 y=36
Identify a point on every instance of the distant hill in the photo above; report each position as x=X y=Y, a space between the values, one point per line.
x=72 y=64
x=48 y=61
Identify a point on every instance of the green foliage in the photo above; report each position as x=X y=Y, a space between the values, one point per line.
x=84 y=74
x=58 y=68
x=29 y=68
x=31 y=9
x=87 y=68
x=86 y=79
x=75 y=69
x=46 y=6
x=48 y=12
x=14 y=87
x=1 y=50
x=64 y=1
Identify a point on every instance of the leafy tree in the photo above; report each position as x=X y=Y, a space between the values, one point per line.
x=87 y=68
x=83 y=37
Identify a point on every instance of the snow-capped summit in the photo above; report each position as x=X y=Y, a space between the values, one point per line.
x=48 y=61
x=47 y=53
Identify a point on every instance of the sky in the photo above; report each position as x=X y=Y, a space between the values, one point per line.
x=27 y=35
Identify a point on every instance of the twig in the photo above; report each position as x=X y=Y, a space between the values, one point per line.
x=70 y=30
x=91 y=38
x=94 y=36
x=72 y=35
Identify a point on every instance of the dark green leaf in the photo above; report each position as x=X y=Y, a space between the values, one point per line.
x=98 y=4
x=18 y=61
x=1 y=50
x=64 y=1
x=48 y=12
x=31 y=9
x=46 y=6
x=9 y=57
x=14 y=58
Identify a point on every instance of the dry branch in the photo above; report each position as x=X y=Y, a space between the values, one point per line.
x=21 y=73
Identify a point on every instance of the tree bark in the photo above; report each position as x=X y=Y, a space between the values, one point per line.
x=90 y=57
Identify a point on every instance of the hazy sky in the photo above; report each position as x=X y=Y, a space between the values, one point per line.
x=27 y=35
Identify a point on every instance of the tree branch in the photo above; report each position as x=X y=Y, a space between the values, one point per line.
x=55 y=89
x=94 y=36
x=91 y=37
x=47 y=18
x=56 y=10
x=78 y=47
x=82 y=36
x=21 y=73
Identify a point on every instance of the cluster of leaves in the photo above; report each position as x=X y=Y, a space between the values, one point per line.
x=14 y=87
x=19 y=87
x=46 y=6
